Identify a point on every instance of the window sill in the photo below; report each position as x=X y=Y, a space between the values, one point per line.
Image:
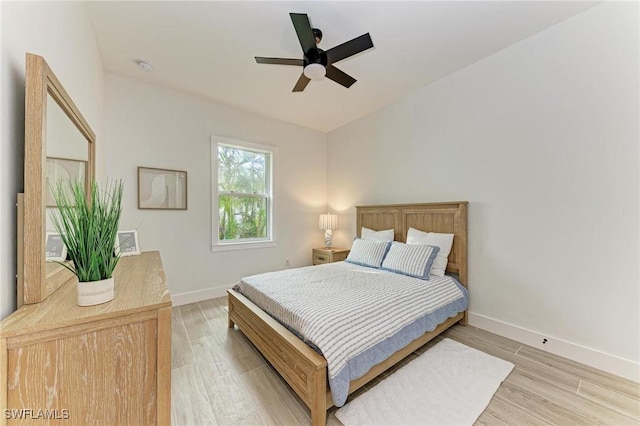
x=243 y=246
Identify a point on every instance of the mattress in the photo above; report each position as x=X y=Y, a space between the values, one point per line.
x=355 y=316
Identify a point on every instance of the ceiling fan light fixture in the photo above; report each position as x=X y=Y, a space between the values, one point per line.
x=315 y=71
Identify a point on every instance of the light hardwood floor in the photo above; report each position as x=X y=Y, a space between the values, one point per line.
x=219 y=378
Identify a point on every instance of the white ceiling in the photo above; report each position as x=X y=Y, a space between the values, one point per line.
x=208 y=48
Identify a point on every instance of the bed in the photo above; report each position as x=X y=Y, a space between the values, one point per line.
x=304 y=369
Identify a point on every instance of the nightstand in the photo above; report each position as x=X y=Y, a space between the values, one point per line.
x=329 y=255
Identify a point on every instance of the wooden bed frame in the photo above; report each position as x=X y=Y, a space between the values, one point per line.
x=304 y=369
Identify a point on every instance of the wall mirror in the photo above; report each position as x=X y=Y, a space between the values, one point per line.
x=59 y=145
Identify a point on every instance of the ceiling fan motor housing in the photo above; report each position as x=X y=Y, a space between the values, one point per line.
x=315 y=56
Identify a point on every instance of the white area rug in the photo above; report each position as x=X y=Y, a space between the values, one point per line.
x=450 y=384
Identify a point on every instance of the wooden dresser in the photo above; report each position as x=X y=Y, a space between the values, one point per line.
x=107 y=364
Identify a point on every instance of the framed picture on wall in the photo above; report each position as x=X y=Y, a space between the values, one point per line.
x=162 y=189
x=55 y=250
x=127 y=243
x=62 y=170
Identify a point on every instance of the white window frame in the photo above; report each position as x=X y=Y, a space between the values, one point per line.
x=225 y=245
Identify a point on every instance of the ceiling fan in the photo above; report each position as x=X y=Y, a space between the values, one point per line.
x=316 y=62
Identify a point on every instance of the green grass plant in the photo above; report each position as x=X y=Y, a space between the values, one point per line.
x=88 y=226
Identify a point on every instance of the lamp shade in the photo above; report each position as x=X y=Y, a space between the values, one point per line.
x=328 y=221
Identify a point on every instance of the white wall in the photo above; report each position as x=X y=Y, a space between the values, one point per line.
x=147 y=125
x=542 y=139
x=62 y=34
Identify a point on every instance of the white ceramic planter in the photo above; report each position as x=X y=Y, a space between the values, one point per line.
x=95 y=292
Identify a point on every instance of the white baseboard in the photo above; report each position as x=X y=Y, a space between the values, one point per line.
x=198 y=296
x=582 y=354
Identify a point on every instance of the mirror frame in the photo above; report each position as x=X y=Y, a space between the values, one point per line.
x=40 y=81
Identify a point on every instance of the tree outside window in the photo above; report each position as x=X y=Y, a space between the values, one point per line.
x=243 y=194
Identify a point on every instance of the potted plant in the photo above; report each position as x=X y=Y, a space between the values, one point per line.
x=88 y=227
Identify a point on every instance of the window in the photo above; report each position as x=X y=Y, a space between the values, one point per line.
x=242 y=194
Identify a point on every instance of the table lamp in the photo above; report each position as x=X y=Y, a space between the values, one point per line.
x=328 y=222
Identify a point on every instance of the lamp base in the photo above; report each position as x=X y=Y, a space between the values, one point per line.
x=328 y=235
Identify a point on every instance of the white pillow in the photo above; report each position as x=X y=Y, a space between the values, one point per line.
x=413 y=260
x=370 y=234
x=444 y=241
x=368 y=252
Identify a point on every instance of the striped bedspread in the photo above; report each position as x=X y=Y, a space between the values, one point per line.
x=354 y=315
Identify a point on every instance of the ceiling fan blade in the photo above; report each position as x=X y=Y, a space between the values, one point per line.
x=304 y=31
x=301 y=84
x=340 y=77
x=349 y=48
x=279 y=61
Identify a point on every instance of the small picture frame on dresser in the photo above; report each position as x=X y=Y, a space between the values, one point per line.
x=55 y=250
x=127 y=243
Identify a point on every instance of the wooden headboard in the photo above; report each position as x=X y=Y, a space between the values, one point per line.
x=447 y=218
